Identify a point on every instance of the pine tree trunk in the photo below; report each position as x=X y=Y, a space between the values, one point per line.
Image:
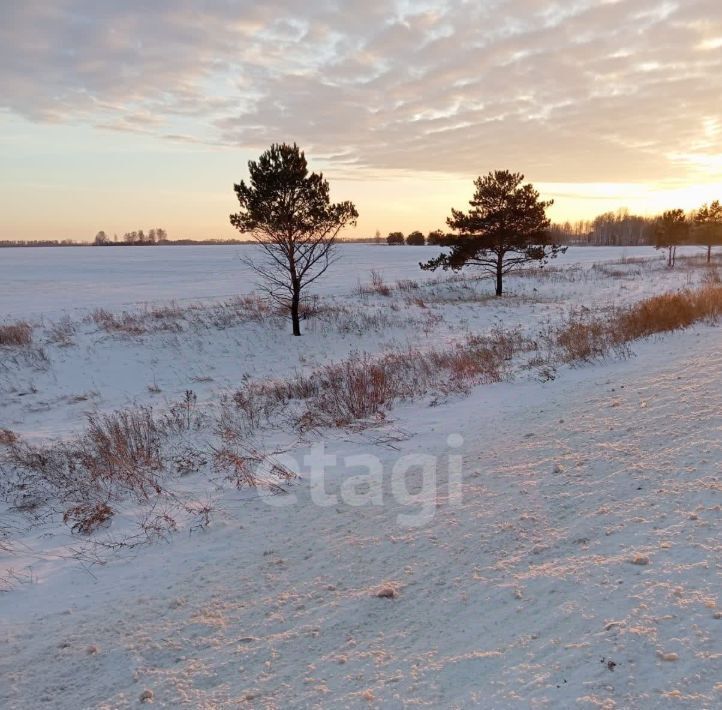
x=499 y=275
x=709 y=253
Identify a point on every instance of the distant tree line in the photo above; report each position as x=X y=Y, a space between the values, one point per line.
x=417 y=239
x=140 y=238
x=112 y=242
x=41 y=243
x=701 y=227
x=154 y=237
x=673 y=228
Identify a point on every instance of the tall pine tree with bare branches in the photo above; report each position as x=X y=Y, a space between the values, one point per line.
x=288 y=213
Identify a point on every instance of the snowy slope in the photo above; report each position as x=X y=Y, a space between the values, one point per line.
x=585 y=551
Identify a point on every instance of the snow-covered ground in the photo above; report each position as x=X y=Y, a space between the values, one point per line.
x=574 y=563
x=81 y=367
x=52 y=281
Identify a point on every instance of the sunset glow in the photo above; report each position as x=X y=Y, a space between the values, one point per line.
x=116 y=116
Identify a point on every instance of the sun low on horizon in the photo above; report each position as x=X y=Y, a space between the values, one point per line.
x=119 y=116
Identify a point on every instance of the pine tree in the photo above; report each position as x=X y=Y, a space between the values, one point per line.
x=671 y=231
x=287 y=211
x=708 y=226
x=505 y=228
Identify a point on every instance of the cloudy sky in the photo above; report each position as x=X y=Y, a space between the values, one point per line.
x=121 y=115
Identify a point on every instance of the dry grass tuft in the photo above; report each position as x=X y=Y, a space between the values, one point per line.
x=16 y=335
x=122 y=448
x=249 y=468
x=86 y=518
x=118 y=455
x=585 y=337
x=125 y=323
x=7 y=437
x=671 y=311
x=61 y=332
x=711 y=277
x=407 y=285
x=377 y=286
x=359 y=389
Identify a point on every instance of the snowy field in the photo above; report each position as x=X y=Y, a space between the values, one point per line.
x=551 y=540
x=50 y=281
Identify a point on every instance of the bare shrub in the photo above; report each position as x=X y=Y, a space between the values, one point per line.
x=166 y=312
x=201 y=513
x=377 y=286
x=61 y=332
x=237 y=468
x=464 y=365
x=256 y=402
x=182 y=416
x=35 y=475
x=16 y=335
x=505 y=343
x=480 y=359
x=26 y=356
x=158 y=526
x=356 y=389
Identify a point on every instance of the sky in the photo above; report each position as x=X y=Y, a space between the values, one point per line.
x=128 y=115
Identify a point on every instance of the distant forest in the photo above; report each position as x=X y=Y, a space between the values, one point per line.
x=140 y=238
x=618 y=228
